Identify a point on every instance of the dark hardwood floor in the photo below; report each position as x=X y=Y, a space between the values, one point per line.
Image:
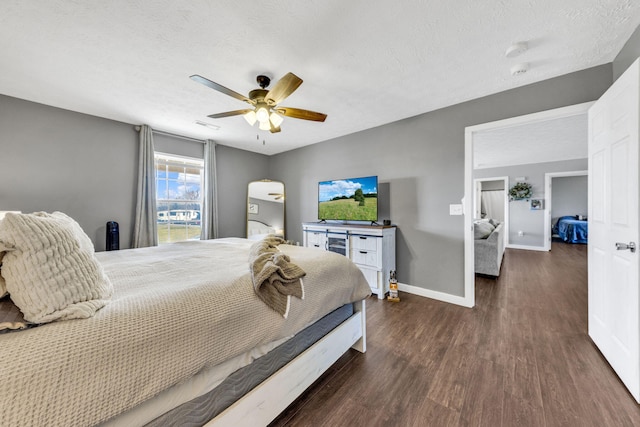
x=521 y=357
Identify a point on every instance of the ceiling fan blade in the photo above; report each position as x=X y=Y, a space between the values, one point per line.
x=297 y=113
x=283 y=88
x=219 y=88
x=229 y=114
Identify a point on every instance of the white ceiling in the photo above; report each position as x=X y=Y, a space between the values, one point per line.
x=544 y=141
x=364 y=63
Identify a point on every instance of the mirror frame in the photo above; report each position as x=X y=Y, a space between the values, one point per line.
x=284 y=203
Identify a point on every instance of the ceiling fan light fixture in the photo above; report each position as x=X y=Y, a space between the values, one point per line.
x=262 y=114
x=264 y=103
x=265 y=125
x=276 y=119
x=250 y=117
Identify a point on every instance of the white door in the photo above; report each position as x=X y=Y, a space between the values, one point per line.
x=613 y=220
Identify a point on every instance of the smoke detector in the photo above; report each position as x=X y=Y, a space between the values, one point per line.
x=519 y=69
x=516 y=49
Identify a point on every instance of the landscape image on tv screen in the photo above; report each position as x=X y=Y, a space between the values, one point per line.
x=353 y=199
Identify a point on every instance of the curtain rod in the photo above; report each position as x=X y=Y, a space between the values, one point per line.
x=159 y=132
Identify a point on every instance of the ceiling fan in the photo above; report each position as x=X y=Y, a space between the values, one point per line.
x=264 y=103
x=278 y=196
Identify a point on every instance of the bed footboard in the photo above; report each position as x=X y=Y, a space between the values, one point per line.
x=265 y=402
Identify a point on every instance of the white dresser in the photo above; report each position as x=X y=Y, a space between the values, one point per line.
x=371 y=247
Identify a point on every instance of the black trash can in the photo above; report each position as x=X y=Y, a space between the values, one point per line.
x=113 y=236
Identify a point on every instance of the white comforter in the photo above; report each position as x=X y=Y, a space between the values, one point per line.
x=176 y=309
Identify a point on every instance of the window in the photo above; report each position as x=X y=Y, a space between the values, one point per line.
x=179 y=183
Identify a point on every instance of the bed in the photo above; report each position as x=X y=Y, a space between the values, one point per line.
x=181 y=321
x=257 y=230
x=571 y=230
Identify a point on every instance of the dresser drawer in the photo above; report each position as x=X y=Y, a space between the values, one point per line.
x=315 y=239
x=365 y=243
x=362 y=257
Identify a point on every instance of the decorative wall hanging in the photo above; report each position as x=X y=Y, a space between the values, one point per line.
x=520 y=191
x=537 y=204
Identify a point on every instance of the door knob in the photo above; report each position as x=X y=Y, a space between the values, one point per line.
x=623 y=246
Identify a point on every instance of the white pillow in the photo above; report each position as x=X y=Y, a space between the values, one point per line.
x=482 y=230
x=51 y=272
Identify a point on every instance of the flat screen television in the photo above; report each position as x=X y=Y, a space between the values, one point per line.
x=352 y=199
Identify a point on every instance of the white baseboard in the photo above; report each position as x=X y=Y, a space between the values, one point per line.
x=528 y=248
x=440 y=296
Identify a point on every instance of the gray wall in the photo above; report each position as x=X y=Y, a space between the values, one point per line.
x=269 y=212
x=236 y=169
x=569 y=196
x=85 y=166
x=183 y=147
x=420 y=163
x=521 y=217
x=492 y=185
x=55 y=159
x=629 y=53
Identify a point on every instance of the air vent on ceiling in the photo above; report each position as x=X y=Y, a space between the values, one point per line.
x=208 y=125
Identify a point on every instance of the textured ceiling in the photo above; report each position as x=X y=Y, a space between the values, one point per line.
x=546 y=141
x=364 y=63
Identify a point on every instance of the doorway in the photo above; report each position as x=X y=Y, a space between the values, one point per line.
x=473 y=134
x=571 y=207
x=491 y=201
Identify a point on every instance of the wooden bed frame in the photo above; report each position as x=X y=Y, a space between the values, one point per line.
x=265 y=402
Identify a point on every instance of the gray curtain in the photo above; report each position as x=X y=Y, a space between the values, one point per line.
x=145 y=228
x=210 y=205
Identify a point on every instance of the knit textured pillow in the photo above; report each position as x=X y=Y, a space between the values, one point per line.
x=51 y=271
x=3 y=286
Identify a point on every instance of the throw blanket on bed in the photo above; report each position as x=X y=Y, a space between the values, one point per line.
x=275 y=277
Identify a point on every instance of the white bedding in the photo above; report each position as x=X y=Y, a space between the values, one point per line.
x=176 y=310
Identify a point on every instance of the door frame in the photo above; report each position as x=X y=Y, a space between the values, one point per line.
x=548 y=193
x=505 y=202
x=469 y=133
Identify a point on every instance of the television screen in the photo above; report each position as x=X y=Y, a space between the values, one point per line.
x=354 y=199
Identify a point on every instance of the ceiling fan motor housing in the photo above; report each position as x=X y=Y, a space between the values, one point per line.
x=258 y=95
x=263 y=81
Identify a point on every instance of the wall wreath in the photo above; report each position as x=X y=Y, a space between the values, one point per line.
x=520 y=191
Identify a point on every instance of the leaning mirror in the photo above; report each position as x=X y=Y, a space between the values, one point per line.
x=265 y=209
